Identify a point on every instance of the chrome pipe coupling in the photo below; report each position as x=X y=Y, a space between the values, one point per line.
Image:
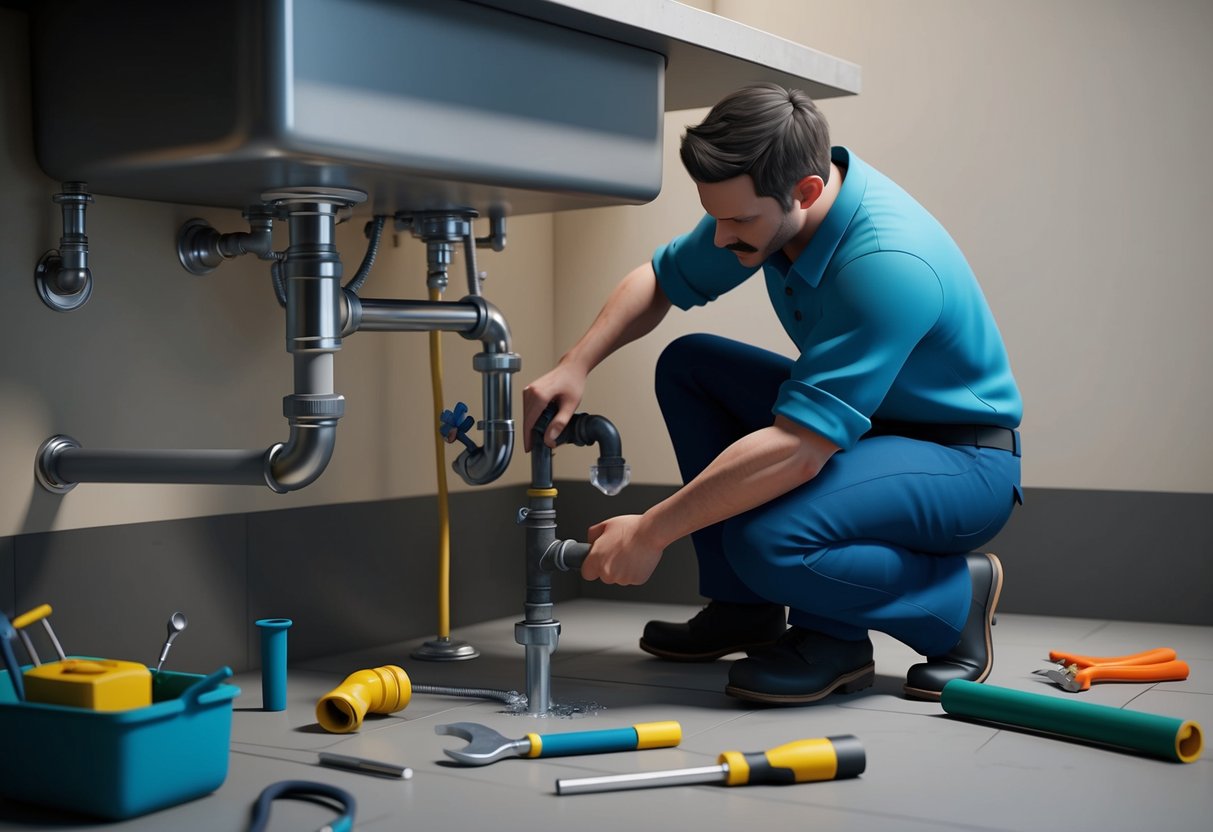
x=496 y=362
x=313 y=408
x=312 y=267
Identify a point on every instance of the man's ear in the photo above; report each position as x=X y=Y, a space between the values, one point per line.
x=808 y=190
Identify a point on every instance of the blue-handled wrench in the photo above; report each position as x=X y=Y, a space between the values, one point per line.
x=487 y=746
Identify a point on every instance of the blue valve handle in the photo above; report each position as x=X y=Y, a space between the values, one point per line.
x=459 y=422
x=644 y=735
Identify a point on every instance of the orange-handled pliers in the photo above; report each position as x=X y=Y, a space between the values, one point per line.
x=1076 y=672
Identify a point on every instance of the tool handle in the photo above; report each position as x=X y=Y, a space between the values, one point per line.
x=1175 y=671
x=27 y=618
x=1155 y=656
x=637 y=737
x=208 y=683
x=824 y=758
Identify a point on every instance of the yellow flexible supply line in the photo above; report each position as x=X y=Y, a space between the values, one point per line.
x=444 y=513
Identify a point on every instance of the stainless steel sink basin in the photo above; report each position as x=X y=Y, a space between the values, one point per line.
x=423 y=105
x=508 y=106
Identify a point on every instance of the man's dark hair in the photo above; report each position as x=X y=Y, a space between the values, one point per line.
x=776 y=135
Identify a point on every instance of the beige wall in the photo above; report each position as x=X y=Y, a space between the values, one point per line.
x=159 y=358
x=1060 y=142
x=1065 y=147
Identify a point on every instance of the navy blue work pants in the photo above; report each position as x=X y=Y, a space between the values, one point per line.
x=876 y=541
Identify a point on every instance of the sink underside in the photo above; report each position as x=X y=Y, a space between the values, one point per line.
x=422 y=105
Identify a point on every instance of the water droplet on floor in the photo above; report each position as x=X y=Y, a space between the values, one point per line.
x=558 y=710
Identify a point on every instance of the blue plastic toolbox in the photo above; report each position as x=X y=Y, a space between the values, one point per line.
x=119 y=764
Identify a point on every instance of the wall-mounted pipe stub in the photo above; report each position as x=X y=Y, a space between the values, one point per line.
x=62 y=276
x=201 y=248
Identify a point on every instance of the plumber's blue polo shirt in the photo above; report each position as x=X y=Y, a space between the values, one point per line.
x=886 y=313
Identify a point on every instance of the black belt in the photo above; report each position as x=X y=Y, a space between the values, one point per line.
x=974 y=436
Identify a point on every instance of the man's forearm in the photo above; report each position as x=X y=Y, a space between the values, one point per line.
x=752 y=471
x=634 y=308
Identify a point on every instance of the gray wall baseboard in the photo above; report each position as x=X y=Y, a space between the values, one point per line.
x=355 y=575
x=1129 y=556
x=1125 y=555
x=349 y=576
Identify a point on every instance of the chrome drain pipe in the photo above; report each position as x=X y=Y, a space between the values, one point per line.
x=314 y=318
x=477 y=320
x=319 y=313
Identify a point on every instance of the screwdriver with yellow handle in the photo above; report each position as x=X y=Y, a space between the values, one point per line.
x=802 y=761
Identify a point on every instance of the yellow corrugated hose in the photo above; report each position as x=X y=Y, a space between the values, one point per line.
x=444 y=513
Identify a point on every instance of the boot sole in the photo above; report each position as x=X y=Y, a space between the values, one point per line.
x=852 y=682
x=991 y=605
x=702 y=657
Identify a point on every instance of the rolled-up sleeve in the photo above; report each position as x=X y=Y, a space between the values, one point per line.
x=874 y=312
x=692 y=271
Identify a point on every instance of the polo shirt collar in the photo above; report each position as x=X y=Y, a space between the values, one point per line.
x=810 y=266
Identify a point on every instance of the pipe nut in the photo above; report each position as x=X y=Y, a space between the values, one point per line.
x=300 y=407
x=487 y=362
x=537 y=633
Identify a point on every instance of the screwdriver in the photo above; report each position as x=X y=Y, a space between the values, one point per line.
x=824 y=758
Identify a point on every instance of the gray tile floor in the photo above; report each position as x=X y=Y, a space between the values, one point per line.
x=925 y=770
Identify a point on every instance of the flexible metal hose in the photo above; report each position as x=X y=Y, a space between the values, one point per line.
x=508 y=697
x=375 y=233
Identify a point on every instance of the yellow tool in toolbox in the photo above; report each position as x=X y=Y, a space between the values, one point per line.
x=95 y=684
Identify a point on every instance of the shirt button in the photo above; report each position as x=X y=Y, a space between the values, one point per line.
x=787 y=290
x=797 y=315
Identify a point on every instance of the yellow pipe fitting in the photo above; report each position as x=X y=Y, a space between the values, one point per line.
x=380 y=690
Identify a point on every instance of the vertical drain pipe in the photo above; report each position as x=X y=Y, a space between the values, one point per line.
x=312 y=274
x=539 y=632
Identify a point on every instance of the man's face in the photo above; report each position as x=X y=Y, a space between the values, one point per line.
x=751 y=226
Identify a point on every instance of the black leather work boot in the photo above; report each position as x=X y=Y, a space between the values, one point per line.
x=720 y=628
x=972 y=658
x=802 y=667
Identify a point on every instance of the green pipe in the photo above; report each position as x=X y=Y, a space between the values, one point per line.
x=1169 y=738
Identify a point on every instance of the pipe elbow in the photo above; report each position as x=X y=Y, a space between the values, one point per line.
x=612 y=473
x=487 y=463
x=492 y=329
x=592 y=429
x=380 y=690
x=303 y=458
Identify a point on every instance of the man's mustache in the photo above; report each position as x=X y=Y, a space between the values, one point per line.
x=745 y=248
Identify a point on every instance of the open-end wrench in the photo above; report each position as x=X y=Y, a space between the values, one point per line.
x=487 y=746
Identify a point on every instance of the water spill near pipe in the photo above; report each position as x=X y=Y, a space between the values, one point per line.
x=558 y=710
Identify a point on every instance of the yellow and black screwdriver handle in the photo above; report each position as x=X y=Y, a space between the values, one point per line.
x=824 y=758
